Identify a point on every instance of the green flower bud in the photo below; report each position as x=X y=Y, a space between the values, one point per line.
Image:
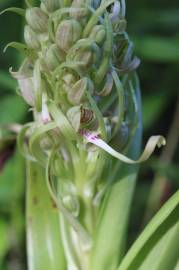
x=120 y=26
x=79 y=14
x=37 y=19
x=27 y=90
x=77 y=93
x=98 y=34
x=84 y=56
x=69 y=79
x=107 y=86
x=24 y=76
x=30 y=38
x=68 y=32
x=74 y=116
x=51 y=5
x=54 y=56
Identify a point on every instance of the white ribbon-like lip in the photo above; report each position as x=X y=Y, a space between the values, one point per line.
x=149 y=148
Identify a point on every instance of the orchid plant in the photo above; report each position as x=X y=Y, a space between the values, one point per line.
x=82 y=148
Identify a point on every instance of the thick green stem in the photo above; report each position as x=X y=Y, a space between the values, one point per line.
x=44 y=244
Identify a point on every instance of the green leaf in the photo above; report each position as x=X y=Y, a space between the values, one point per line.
x=6 y=81
x=5 y=3
x=157 y=48
x=4 y=243
x=11 y=203
x=22 y=48
x=153 y=106
x=177 y=266
x=12 y=181
x=110 y=236
x=160 y=232
x=44 y=246
x=12 y=109
x=18 y=11
x=111 y=232
x=165 y=253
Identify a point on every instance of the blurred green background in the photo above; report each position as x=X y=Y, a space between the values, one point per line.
x=154 y=28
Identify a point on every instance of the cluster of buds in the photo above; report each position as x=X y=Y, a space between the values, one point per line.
x=79 y=78
x=78 y=55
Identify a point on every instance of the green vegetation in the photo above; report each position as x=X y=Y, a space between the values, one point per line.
x=153 y=28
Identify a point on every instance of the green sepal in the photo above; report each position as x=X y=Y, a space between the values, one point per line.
x=34 y=142
x=160 y=235
x=120 y=93
x=22 y=48
x=95 y=17
x=62 y=122
x=19 y=11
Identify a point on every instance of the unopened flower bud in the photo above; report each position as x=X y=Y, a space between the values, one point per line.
x=107 y=86
x=85 y=56
x=80 y=11
x=31 y=38
x=69 y=78
x=37 y=19
x=51 y=5
x=27 y=90
x=120 y=26
x=68 y=32
x=54 y=56
x=74 y=116
x=98 y=34
x=77 y=93
x=24 y=76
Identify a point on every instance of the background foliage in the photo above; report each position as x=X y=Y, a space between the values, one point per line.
x=153 y=26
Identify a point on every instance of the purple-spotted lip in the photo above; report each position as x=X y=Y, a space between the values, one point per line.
x=149 y=148
x=88 y=135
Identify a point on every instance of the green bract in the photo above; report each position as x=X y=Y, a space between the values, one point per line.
x=79 y=78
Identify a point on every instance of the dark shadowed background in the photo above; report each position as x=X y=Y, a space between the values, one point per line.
x=154 y=28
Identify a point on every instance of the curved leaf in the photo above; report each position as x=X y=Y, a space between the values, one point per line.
x=110 y=237
x=162 y=225
x=16 y=10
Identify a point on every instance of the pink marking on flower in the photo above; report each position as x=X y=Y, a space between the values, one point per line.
x=45 y=115
x=89 y=136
